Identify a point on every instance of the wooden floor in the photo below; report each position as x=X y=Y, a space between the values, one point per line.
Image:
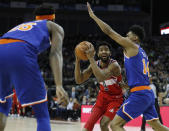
x=29 y=124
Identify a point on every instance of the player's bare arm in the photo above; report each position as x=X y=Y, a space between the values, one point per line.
x=123 y=85
x=81 y=76
x=129 y=47
x=103 y=74
x=113 y=69
x=56 y=58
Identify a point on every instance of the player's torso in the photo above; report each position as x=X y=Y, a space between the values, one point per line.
x=110 y=87
x=34 y=32
x=137 y=69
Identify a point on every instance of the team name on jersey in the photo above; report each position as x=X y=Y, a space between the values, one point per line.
x=109 y=82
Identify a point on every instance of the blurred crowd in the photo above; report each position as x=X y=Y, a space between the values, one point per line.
x=118 y=5
x=131 y=2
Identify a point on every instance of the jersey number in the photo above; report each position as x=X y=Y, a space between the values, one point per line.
x=105 y=86
x=146 y=67
x=23 y=27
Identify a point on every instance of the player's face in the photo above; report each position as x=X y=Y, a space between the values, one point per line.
x=104 y=53
x=132 y=36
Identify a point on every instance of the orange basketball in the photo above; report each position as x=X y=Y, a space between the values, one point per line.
x=81 y=48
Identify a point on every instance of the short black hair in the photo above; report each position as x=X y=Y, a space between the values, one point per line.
x=102 y=43
x=44 y=10
x=139 y=31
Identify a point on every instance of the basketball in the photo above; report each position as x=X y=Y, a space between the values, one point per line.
x=81 y=48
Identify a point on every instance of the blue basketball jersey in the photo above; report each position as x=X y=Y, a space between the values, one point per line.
x=34 y=32
x=137 y=69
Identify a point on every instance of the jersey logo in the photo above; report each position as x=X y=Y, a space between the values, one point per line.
x=111 y=110
x=23 y=27
x=109 y=82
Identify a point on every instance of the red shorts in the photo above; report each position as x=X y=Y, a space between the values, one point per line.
x=101 y=109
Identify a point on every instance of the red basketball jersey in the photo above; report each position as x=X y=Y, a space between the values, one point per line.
x=110 y=89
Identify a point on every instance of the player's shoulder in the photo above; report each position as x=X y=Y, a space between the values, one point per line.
x=55 y=25
x=52 y=26
x=113 y=61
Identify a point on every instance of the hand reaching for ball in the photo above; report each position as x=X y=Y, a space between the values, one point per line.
x=77 y=58
x=90 y=52
x=92 y=15
x=83 y=49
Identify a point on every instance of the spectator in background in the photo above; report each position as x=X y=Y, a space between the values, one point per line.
x=76 y=105
x=73 y=93
x=70 y=108
x=76 y=110
x=84 y=100
x=87 y=94
x=166 y=100
x=165 y=95
x=53 y=106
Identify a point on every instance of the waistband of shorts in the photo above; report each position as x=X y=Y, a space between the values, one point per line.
x=139 y=88
x=6 y=41
x=113 y=96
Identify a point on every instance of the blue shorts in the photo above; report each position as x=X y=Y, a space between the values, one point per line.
x=139 y=102
x=19 y=69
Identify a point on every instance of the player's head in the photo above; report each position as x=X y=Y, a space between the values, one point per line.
x=136 y=33
x=103 y=51
x=44 y=12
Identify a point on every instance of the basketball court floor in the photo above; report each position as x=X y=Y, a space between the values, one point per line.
x=29 y=124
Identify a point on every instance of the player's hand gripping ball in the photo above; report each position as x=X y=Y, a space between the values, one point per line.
x=81 y=48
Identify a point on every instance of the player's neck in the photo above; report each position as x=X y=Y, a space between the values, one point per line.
x=104 y=64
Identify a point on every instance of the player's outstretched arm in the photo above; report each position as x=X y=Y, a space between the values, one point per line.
x=80 y=76
x=56 y=58
x=123 y=41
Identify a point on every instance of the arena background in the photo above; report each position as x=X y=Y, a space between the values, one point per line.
x=72 y=15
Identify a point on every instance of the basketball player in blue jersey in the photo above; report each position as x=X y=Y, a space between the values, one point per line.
x=19 y=49
x=141 y=99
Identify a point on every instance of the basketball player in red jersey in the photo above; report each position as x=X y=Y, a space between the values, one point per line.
x=108 y=73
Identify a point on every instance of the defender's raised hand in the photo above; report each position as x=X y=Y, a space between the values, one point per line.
x=90 y=52
x=92 y=15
